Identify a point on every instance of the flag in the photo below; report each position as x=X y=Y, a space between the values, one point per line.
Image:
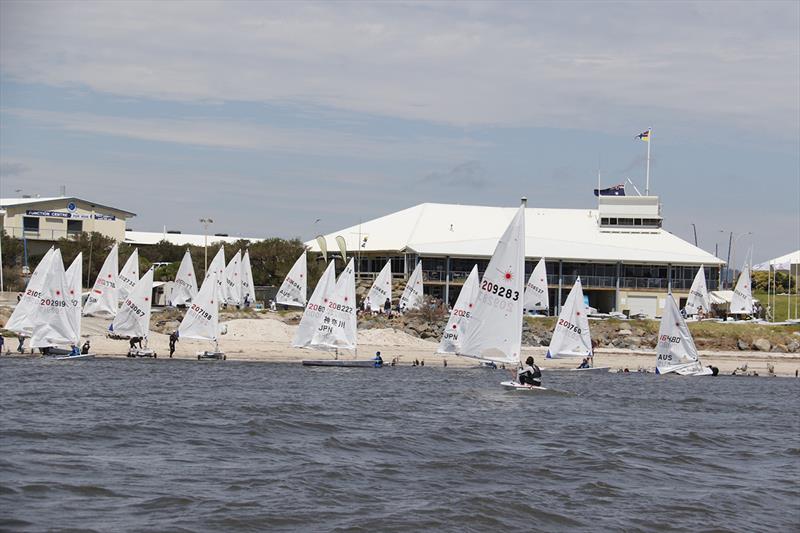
x=645 y=136
x=616 y=190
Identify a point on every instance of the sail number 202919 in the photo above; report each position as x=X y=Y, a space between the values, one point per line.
x=502 y=292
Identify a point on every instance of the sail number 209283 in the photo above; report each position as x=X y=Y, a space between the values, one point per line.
x=502 y=292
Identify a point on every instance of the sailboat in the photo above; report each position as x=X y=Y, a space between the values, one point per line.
x=128 y=276
x=232 y=280
x=536 y=295
x=571 y=336
x=21 y=319
x=217 y=269
x=102 y=300
x=495 y=325
x=55 y=322
x=412 y=295
x=293 y=289
x=742 y=301
x=460 y=316
x=675 y=351
x=381 y=290
x=336 y=327
x=248 y=287
x=185 y=287
x=698 y=295
x=133 y=318
x=202 y=318
x=312 y=316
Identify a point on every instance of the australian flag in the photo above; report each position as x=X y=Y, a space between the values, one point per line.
x=616 y=190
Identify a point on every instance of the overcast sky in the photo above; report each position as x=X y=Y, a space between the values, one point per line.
x=268 y=116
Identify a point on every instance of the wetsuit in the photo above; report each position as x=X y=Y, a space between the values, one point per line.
x=530 y=375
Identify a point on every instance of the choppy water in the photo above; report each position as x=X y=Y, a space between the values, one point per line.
x=118 y=444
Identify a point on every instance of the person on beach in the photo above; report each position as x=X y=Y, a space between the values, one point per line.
x=21 y=347
x=173 y=338
x=378 y=360
x=86 y=347
x=2 y=343
x=529 y=373
x=135 y=341
x=387 y=306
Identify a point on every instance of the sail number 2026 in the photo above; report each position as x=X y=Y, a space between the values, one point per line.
x=503 y=292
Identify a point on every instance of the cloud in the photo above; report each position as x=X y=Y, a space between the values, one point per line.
x=469 y=174
x=251 y=136
x=586 y=65
x=12 y=168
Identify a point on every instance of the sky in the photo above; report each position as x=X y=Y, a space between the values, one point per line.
x=295 y=119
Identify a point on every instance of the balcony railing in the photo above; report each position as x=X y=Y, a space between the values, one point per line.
x=592 y=282
x=41 y=234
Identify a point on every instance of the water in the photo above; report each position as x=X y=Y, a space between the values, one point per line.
x=115 y=444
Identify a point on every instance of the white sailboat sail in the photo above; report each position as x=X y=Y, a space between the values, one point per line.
x=412 y=295
x=495 y=327
x=293 y=289
x=55 y=322
x=381 y=289
x=128 y=276
x=675 y=351
x=571 y=337
x=536 y=295
x=232 y=284
x=133 y=318
x=337 y=330
x=458 y=323
x=102 y=299
x=21 y=320
x=75 y=283
x=217 y=269
x=742 y=301
x=698 y=294
x=248 y=286
x=185 y=288
x=202 y=317
x=315 y=308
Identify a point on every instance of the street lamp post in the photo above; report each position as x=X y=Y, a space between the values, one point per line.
x=205 y=222
x=733 y=249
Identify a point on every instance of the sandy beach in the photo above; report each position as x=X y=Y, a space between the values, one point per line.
x=269 y=340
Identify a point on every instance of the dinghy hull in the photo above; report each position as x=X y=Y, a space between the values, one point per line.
x=513 y=385
x=353 y=363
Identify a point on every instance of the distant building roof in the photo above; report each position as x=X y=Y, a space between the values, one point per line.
x=13 y=202
x=472 y=231
x=180 y=239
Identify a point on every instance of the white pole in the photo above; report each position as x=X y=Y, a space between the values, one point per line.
x=649 y=141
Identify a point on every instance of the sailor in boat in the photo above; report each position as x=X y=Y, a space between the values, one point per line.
x=378 y=360
x=585 y=363
x=529 y=373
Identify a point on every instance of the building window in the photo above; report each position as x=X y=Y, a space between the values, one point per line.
x=74 y=227
x=30 y=224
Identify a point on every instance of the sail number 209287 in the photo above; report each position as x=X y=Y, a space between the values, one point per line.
x=503 y=292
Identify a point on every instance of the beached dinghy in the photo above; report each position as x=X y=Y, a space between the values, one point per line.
x=571 y=336
x=133 y=318
x=22 y=318
x=676 y=352
x=536 y=294
x=185 y=287
x=202 y=318
x=102 y=300
x=334 y=324
x=57 y=320
x=381 y=290
x=293 y=290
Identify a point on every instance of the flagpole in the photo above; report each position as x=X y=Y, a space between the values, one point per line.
x=649 y=141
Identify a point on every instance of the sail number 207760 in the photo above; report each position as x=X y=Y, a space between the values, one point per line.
x=499 y=290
